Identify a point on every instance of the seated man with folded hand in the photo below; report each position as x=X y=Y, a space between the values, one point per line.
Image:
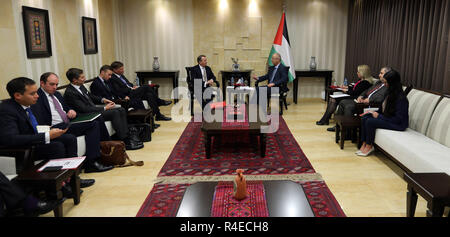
x=123 y=89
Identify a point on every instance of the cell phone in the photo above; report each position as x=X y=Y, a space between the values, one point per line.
x=52 y=169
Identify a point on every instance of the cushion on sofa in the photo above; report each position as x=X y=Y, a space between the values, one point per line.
x=439 y=128
x=414 y=150
x=81 y=146
x=421 y=107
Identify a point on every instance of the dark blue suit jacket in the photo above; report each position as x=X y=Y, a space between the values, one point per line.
x=281 y=77
x=119 y=88
x=15 y=126
x=42 y=108
x=400 y=120
x=99 y=89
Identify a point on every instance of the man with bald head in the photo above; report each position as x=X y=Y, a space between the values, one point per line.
x=276 y=76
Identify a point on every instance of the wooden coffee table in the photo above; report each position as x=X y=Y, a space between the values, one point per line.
x=51 y=183
x=284 y=199
x=433 y=187
x=215 y=129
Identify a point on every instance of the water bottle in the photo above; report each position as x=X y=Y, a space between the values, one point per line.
x=137 y=81
x=345 y=82
x=232 y=81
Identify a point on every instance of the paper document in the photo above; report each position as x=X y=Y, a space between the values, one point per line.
x=339 y=96
x=370 y=110
x=67 y=164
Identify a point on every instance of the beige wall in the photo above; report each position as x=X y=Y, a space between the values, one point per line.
x=10 y=61
x=66 y=36
x=235 y=31
x=106 y=22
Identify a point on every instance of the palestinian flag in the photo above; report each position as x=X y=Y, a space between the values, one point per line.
x=282 y=46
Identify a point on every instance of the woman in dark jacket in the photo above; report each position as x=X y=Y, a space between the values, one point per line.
x=364 y=83
x=394 y=115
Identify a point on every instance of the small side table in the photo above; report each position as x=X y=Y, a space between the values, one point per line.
x=433 y=187
x=51 y=182
x=344 y=123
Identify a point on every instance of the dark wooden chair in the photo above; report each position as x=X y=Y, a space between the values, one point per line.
x=190 y=83
x=24 y=156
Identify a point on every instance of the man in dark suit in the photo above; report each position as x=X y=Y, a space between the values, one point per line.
x=19 y=124
x=51 y=110
x=123 y=89
x=276 y=76
x=13 y=197
x=83 y=102
x=202 y=74
x=101 y=86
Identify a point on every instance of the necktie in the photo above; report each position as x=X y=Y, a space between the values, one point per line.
x=204 y=74
x=374 y=89
x=273 y=75
x=59 y=109
x=33 y=120
x=124 y=81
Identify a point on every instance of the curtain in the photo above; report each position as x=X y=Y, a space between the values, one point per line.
x=412 y=36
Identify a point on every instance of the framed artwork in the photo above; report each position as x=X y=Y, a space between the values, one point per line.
x=37 y=32
x=89 y=35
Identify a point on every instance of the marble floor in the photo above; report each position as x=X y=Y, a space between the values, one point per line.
x=364 y=187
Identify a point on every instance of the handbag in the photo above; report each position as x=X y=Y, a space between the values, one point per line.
x=114 y=153
x=144 y=131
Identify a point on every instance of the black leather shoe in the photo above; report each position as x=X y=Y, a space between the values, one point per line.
x=166 y=103
x=321 y=123
x=97 y=167
x=133 y=145
x=67 y=191
x=133 y=134
x=332 y=129
x=157 y=126
x=45 y=207
x=162 y=118
x=84 y=183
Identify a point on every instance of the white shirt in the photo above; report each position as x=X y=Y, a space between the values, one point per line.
x=56 y=118
x=78 y=88
x=47 y=134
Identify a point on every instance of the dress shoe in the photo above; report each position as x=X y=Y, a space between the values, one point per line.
x=162 y=118
x=68 y=192
x=368 y=153
x=84 y=183
x=165 y=103
x=332 y=129
x=133 y=145
x=97 y=167
x=134 y=134
x=156 y=126
x=321 y=123
x=45 y=207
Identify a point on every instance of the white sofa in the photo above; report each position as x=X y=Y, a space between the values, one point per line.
x=425 y=146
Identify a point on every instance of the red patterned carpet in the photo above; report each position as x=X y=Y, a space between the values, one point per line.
x=284 y=157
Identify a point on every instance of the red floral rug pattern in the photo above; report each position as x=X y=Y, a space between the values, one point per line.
x=225 y=205
x=283 y=155
x=164 y=200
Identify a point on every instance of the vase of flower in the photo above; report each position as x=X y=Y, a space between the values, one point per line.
x=156 y=64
